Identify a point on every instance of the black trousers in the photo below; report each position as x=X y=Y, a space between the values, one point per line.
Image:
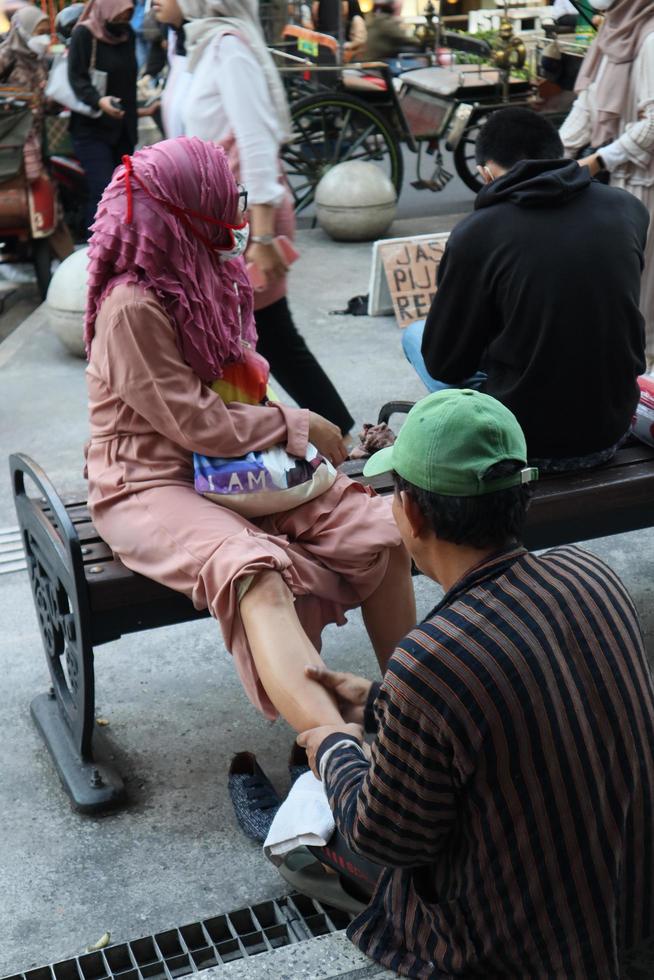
x=294 y=366
x=99 y=160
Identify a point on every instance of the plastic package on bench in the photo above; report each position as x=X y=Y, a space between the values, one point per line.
x=643 y=422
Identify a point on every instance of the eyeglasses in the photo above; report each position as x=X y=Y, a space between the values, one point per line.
x=184 y=214
x=242 y=198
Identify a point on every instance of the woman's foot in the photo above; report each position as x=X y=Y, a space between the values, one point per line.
x=254 y=797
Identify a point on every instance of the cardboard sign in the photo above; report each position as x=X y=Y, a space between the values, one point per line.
x=408 y=283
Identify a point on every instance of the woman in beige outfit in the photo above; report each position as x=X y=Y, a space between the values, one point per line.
x=614 y=112
x=169 y=309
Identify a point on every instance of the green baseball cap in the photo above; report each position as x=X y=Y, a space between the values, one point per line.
x=450 y=440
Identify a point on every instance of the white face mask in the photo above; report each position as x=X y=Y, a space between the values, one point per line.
x=602 y=4
x=39 y=44
x=241 y=237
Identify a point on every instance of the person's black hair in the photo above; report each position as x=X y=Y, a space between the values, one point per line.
x=513 y=134
x=492 y=520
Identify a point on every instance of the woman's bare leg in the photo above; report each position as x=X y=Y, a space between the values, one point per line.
x=281 y=650
x=390 y=612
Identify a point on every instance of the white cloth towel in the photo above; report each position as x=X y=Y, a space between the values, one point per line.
x=304 y=818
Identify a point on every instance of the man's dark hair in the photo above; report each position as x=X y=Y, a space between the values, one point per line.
x=492 y=520
x=511 y=135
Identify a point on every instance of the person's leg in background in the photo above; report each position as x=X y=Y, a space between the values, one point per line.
x=142 y=51
x=97 y=159
x=294 y=366
x=411 y=345
x=61 y=239
x=122 y=147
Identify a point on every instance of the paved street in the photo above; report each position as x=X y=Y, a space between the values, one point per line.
x=175 y=709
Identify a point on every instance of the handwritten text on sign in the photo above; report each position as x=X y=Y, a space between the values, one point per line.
x=411 y=270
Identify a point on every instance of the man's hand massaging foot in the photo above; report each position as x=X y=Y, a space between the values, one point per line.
x=351 y=691
x=312 y=739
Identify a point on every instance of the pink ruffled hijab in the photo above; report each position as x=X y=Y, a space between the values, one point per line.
x=620 y=38
x=209 y=301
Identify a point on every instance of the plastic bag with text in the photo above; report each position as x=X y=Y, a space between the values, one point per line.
x=642 y=424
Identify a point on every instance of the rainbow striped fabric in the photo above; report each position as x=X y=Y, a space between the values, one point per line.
x=244 y=381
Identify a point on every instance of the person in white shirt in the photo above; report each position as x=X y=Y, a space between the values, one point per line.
x=576 y=14
x=179 y=78
x=235 y=97
x=561 y=8
x=614 y=113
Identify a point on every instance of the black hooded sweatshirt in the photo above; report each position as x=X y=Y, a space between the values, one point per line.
x=539 y=288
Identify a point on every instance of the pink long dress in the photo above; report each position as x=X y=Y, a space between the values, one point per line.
x=148 y=413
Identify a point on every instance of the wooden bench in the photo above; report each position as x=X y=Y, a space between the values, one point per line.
x=85 y=597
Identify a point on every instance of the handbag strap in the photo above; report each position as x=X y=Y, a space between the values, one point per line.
x=94 y=52
x=8 y=70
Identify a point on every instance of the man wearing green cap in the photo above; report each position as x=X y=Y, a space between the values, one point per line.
x=508 y=794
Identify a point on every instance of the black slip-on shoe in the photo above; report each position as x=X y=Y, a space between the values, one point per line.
x=254 y=797
x=298 y=763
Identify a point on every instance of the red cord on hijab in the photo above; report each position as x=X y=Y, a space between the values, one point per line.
x=178 y=211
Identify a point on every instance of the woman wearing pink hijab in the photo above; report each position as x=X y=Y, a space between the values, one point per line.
x=169 y=308
x=614 y=113
x=102 y=39
x=235 y=97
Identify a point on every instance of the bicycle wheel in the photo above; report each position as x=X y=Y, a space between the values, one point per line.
x=329 y=129
x=465 y=161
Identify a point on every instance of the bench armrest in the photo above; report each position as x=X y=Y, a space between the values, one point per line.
x=30 y=511
x=393 y=408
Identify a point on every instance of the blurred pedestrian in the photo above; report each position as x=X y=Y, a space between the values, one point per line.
x=103 y=41
x=136 y=23
x=23 y=66
x=325 y=18
x=236 y=98
x=579 y=15
x=386 y=35
x=173 y=100
x=156 y=35
x=614 y=113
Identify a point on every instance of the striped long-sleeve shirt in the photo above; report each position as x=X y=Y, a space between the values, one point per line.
x=510 y=791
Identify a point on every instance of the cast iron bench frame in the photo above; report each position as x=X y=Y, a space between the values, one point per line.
x=85 y=597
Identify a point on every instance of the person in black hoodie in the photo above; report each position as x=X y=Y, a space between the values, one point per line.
x=538 y=294
x=103 y=40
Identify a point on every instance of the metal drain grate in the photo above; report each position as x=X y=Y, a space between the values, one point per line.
x=12 y=556
x=178 y=952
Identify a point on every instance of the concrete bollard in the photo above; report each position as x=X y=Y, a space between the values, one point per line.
x=355 y=202
x=66 y=302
